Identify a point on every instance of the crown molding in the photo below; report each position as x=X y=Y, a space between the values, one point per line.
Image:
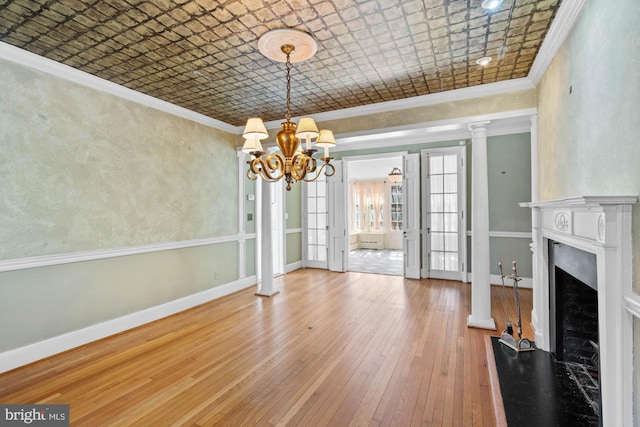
x=479 y=91
x=503 y=123
x=57 y=69
x=560 y=28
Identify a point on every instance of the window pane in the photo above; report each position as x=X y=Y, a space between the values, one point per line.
x=451 y=242
x=451 y=222
x=437 y=241
x=322 y=220
x=313 y=252
x=311 y=204
x=435 y=164
x=312 y=221
x=322 y=253
x=437 y=261
x=450 y=183
x=450 y=165
x=312 y=237
x=322 y=237
x=322 y=205
x=437 y=222
x=311 y=189
x=451 y=261
x=450 y=203
x=436 y=184
x=321 y=188
x=437 y=202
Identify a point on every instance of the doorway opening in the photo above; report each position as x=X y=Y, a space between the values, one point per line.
x=375 y=215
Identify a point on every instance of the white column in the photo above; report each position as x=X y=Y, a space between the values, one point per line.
x=480 y=316
x=265 y=287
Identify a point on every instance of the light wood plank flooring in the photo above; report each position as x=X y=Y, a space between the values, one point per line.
x=330 y=350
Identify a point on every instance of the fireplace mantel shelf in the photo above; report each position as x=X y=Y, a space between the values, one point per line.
x=582 y=201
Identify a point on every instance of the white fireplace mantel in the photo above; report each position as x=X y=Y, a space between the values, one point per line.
x=600 y=225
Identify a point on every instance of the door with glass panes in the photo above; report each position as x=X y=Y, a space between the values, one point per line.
x=315 y=217
x=444 y=229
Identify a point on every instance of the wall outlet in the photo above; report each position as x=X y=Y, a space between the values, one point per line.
x=251 y=197
x=216 y=275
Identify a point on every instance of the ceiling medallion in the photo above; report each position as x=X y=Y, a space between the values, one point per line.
x=292 y=163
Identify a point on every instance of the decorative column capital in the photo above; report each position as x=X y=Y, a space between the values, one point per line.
x=479 y=127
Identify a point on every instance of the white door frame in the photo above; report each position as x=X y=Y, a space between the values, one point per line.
x=346 y=160
x=462 y=218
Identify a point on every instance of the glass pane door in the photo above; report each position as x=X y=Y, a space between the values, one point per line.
x=316 y=216
x=444 y=214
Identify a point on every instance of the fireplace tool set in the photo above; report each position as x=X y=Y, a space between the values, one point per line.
x=507 y=338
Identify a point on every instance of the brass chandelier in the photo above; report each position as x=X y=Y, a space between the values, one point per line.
x=292 y=162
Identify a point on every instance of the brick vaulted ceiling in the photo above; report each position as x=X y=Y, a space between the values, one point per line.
x=203 y=54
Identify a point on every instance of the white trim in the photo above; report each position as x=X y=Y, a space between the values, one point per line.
x=293 y=267
x=560 y=28
x=57 y=69
x=632 y=304
x=57 y=259
x=502 y=123
x=420 y=101
x=30 y=353
x=507 y=234
x=293 y=230
x=601 y=225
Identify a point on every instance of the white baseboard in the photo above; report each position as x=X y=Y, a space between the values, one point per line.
x=30 y=353
x=293 y=266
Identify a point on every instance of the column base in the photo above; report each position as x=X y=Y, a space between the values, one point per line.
x=260 y=294
x=481 y=323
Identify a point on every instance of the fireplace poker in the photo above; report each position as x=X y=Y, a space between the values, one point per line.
x=523 y=344
x=507 y=335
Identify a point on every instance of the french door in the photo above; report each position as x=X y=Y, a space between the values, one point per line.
x=444 y=228
x=315 y=222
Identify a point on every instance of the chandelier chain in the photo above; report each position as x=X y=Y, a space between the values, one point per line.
x=288 y=87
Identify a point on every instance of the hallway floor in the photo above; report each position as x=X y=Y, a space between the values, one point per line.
x=386 y=261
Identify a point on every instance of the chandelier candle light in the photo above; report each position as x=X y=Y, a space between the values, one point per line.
x=293 y=162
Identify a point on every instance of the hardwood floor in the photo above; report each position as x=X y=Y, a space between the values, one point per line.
x=331 y=349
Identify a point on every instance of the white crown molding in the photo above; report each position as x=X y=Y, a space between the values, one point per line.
x=57 y=69
x=558 y=32
x=502 y=123
x=57 y=259
x=479 y=91
x=30 y=353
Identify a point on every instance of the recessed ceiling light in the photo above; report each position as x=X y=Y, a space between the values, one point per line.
x=484 y=60
x=490 y=4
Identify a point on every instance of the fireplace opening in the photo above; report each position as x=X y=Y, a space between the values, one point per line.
x=574 y=319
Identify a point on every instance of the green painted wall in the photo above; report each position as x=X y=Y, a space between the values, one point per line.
x=41 y=303
x=294 y=206
x=509 y=162
x=294 y=220
x=510 y=154
x=588 y=123
x=250 y=260
x=294 y=247
x=84 y=170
